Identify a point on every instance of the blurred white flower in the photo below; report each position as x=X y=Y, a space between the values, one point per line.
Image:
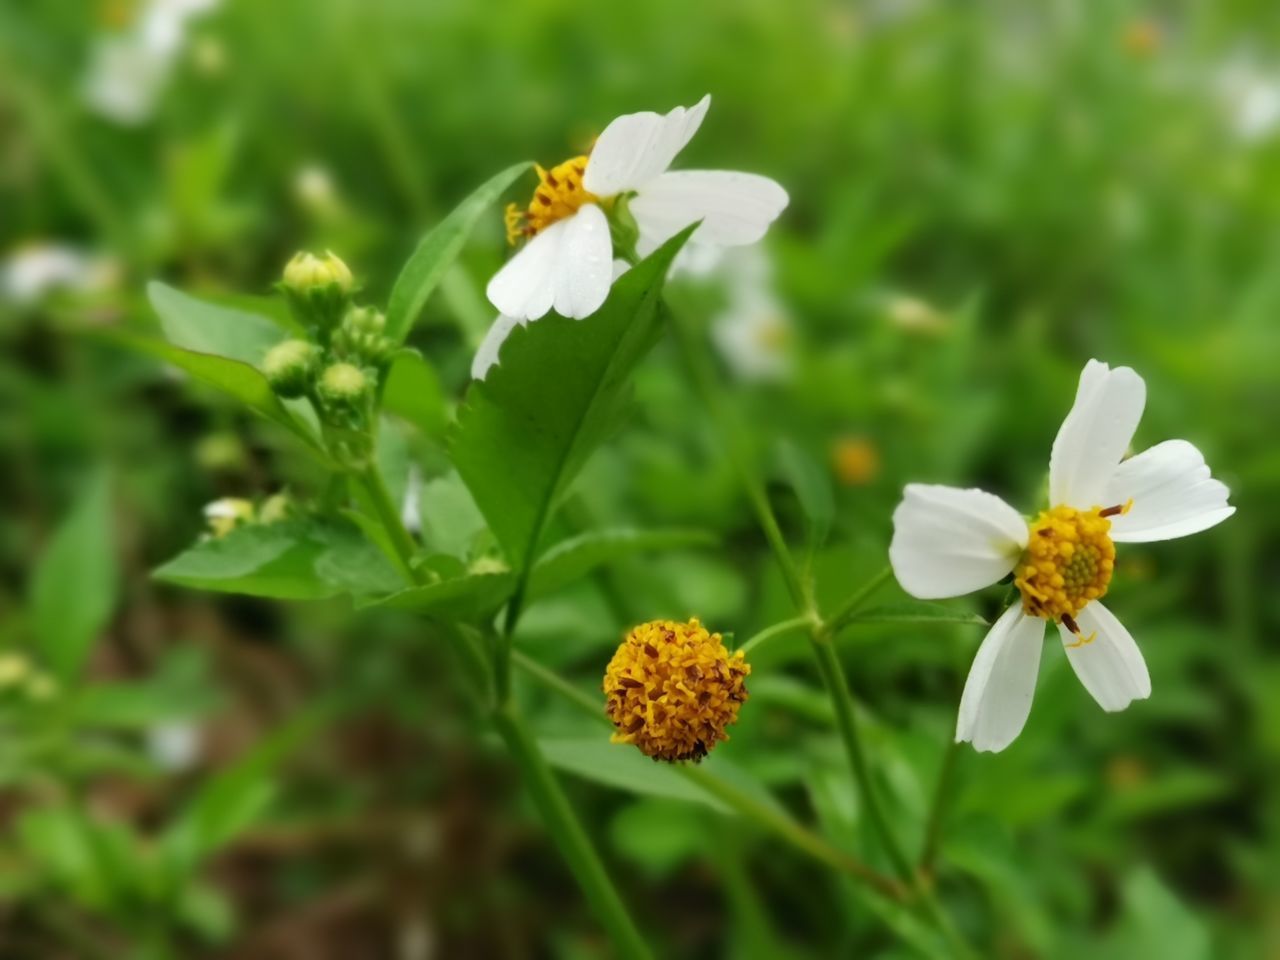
x=565 y=263
x=174 y=746
x=227 y=514
x=753 y=330
x=411 y=508
x=128 y=71
x=1250 y=96
x=33 y=271
x=313 y=187
x=948 y=542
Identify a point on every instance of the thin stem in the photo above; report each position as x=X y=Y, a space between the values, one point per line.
x=571 y=839
x=847 y=723
x=780 y=629
x=849 y=609
x=938 y=808
x=771 y=819
x=553 y=805
x=370 y=479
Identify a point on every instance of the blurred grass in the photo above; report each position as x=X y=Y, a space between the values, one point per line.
x=1053 y=182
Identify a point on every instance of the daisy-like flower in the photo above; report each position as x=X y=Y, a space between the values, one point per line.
x=948 y=542
x=567 y=257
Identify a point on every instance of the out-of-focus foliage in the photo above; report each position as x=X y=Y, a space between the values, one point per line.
x=983 y=197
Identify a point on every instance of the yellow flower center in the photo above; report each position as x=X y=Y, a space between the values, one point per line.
x=672 y=689
x=559 y=194
x=1068 y=562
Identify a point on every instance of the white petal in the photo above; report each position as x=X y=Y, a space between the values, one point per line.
x=583 y=268
x=735 y=208
x=997 y=695
x=637 y=147
x=947 y=541
x=525 y=286
x=1111 y=665
x=1173 y=494
x=487 y=353
x=1095 y=435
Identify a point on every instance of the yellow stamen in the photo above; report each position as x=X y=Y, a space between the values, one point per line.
x=559 y=194
x=1068 y=562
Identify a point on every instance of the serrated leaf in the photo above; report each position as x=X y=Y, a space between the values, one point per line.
x=239 y=380
x=571 y=559
x=527 y=429
x=292 y=560
x=73 y=589
x=437 y=250
x=204 y=327
x=462 y=598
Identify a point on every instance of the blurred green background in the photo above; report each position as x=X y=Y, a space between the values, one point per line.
x=984 y=196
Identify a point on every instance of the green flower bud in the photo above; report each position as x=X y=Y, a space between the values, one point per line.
x=307 y=272
x=366 y=320
x=343 y=383
x=290 y=367
x=275 y=508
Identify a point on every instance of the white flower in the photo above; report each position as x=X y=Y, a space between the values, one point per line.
x=174 y=746
x=1250 y=97
x=128 y=71
x=753 y=329
x=948 y=542
x=31 y=272
x=565 y=264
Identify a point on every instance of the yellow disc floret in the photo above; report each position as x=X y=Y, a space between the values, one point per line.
x=559 y=194
x=672 y=689
x=1068 y=562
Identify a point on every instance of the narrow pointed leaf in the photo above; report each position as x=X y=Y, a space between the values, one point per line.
x=576 y=557
x=437 y=251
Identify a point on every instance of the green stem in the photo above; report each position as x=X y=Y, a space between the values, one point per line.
x=780 y=629
x=938 y=808
x=849 y=609
x=773 y=820
x=847 y=723
x=571 y=839
x=375 y=487
x=553 y=805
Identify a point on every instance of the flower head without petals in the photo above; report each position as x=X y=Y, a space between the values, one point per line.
x=672 y=689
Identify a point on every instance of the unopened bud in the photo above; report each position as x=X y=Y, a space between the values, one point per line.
x=366 y=320
x=307 y=272
x=274 y=509
x=290 y=367
x=343 y=383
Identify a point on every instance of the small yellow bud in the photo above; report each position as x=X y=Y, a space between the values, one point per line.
x=307 y=272
x=856 y=461
x=14 y=668
x=274 y=509
x=290 y=366
x=343 y=383
x=366 y=320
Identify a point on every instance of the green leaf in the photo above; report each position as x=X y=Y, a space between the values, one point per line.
x=291 y=560
x=916 y=611
x=468 y=597
x=624 y=767
x=437 y=250
x=240 y=380
x=204 y=327
x=229 y=802
x=413 y=392
x=572 y=559
x=1155 y=924
x=527 y=429
x=451 y=521
x=73 y=589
